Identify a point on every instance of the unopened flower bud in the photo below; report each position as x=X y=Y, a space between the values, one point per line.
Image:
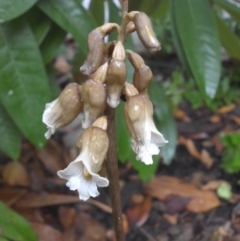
x=129 y=90
x=142 y=75
x=95 y=44
x=101 y=73
x=63 y=110
x=101 y=122
x=94 y=101
x=145 y=32
x=116 y=76
x=145 y=138
x=83 y=174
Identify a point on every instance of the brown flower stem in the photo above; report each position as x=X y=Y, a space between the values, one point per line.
x=112 y=171
x=112 y=159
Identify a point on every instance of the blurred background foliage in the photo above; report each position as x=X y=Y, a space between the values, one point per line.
x=203 y=34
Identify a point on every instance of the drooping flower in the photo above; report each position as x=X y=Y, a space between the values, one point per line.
x=83 y=173
x=94 y=96
x=63 y=110
x=145 y=138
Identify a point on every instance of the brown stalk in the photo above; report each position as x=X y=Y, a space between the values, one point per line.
x=112 y=159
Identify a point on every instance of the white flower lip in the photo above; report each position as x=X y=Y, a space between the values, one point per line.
x=87 y=187
x=50 y=118
x=145 y=138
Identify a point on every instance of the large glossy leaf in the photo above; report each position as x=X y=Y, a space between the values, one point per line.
x=176 y=38
x=97 y=10
x=198 y=34
x=10 y=136
x=72 y=17
x=161 y=10
x=164 y=121
x=39 y=23
x=15 y=227
x=228 y=39
x=52 y=42
x=231 y=6
x=24 y=88
x=10 y=9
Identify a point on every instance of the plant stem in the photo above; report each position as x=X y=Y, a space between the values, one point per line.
x=112 y=159
x=112 y=171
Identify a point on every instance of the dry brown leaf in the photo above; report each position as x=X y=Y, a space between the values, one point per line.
x=90 y=229
x=66 y=216
x=217 y=143
x=226 y=109
x=46 y=233
x=172 y=219
x=51 y=157
x=215 y=118
x=212 y=185
x=61 y=65
x=181 y=115
x=139 y=214
x=206 y=158
x=14 y=174
x=236 y=119
x=192 y=149
x=164 y=186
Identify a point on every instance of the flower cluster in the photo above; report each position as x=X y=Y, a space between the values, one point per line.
x=106 y=67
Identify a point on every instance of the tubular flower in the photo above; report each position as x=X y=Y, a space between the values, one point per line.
x=83 y=173
x=116 y=75
x=63 y=110
x=145 y=138
x=94 y=96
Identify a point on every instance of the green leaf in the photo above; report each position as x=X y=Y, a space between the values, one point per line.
x=164 y=121
x=135 y=5
x=145 y=172
x=52 y=42
x=198 y=34
x=39 y=23
x=3 y=239
x=97 y=10
x=149 y=7
x=233 y=8
x=54 y=87
x=15 y=227
x=10 y=9
x=228 y=39
x=10 y=136
x=176 y=38
x=24 y=87
x=161 y=10
x=72 y=17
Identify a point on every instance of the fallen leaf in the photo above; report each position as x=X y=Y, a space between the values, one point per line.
x=175 y=203
x=164 y=186
x=138 y=214
x=51 y=157
x=172 y=219
x=61 y=65
x=212 y=185
x=215 y=119
x=46 y=233
x=66 y=216
x=90 y=229
x=236 y=119
x=206 y=158
x=192 y=149
x=181 y=115
x=14 y=174
x=226 y=109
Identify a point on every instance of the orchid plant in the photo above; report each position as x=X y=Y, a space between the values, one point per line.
x=96 y=99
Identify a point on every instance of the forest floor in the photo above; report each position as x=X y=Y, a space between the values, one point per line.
x=179 y=204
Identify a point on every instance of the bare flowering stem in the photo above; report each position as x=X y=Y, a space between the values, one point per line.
x=112 y=159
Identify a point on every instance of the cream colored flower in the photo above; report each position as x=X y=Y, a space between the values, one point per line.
x=63 y=110
x=145 y=138
x=83 y=173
